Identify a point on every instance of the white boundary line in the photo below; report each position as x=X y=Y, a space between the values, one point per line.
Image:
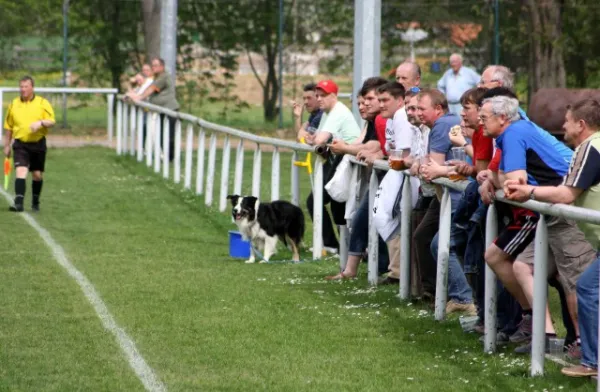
x=127 y=345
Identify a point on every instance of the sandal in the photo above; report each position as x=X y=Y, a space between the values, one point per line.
x=340 y=276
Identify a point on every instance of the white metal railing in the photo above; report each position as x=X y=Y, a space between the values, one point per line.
x=131 y=130
x=109 y=92
x=129 y=141
x=540 y=259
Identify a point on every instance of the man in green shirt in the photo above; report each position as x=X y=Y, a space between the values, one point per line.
x=581 y=186
x=337 y=121
x=162 y=93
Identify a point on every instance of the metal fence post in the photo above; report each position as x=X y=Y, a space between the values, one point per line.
x=275 y=167
x=157 y=149
x=295 y=186
x=210 y=177
x=119 y=127
x=441 y=288
x=1 y=113
x=140 y=135
x=126 y=125
x=540 y=296
x=189 y=151
x=134 y=130
x=373 y=264
x=200 y=162
x=405 y=227
x=491 y=232
x=166 y=134
x=318 y=210
x=224 y=174
x=256 y=171
x=344 y=239
x=149 y=145
x=239 y=168
x=177 y=159
x=110 y=112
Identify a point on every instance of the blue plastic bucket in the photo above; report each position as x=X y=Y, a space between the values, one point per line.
x=237 y=246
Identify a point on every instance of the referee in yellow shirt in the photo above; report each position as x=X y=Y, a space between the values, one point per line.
x=26 y=126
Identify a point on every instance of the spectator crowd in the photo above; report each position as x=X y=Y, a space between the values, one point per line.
x=470 y=128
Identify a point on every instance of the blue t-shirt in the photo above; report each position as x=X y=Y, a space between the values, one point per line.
x=528 y=147
x=439 y=142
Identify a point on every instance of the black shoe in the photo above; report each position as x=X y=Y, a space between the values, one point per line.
x=35 y=207
x=16 y=208
x=390 y=280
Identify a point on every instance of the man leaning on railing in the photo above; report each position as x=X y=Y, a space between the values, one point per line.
x=581 y=186
x=529 y=155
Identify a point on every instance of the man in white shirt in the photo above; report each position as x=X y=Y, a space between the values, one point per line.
x=338 y=121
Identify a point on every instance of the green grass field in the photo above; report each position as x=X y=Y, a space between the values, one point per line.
x=203 y=321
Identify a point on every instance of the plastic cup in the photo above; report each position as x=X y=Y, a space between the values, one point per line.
x=459 y=154
x=396 y=159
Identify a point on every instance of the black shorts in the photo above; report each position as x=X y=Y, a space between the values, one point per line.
x=518 y=233
x=30 y=155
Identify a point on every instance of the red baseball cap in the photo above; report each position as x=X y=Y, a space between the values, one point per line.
x=328 y=86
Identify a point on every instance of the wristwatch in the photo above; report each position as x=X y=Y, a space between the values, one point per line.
x=531 y=194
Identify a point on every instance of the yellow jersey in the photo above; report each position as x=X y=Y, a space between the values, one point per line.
x=21 y=114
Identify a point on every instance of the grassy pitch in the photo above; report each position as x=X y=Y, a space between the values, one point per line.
x=159 y=259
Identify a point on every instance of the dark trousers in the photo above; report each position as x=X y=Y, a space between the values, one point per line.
x=422 y=238
x=337 y=210
x=172 y=122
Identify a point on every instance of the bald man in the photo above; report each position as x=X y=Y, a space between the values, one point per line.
x=408 y=74
x=456 y=81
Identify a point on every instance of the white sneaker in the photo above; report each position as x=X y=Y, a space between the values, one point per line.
x=327 y=249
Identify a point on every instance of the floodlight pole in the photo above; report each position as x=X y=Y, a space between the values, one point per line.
x=168 y=36
x=496 y=32
x=65 y=56
x=367 y=45
x=280 y=39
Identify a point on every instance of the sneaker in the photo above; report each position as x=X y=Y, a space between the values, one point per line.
x=327 y=249
x=579 y=371
x=16 y=208
x=388 y=280
x=453 y=306
x=526 y=348
x=523 y=333
x=35 y=207
x=501 y=338
x=574 y=352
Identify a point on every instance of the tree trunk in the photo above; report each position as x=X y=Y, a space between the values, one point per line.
x=547 y=59
x=151 y=18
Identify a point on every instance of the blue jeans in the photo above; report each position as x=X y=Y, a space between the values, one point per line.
x=359 y=236
x=587 y=313
x=458 y=287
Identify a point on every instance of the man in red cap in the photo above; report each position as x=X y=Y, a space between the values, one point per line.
x=337 y=121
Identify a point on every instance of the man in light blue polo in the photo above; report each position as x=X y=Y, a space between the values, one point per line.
x=456 y=81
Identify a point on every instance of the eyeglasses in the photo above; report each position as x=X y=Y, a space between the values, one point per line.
x=485 y=118
x=481 y=81
x=414 y=90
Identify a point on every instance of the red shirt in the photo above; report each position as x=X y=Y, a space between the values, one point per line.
x=380 y=124
x=483 y=146
x=495 y=162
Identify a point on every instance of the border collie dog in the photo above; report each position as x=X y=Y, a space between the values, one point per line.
x=263 y=223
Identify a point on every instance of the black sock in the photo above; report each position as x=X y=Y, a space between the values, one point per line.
x=19 y=190
x=527 y=312
x=36 y=189
x=550 y=335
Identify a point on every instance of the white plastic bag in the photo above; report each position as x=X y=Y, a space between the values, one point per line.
x=385 y=220
x=339 y=185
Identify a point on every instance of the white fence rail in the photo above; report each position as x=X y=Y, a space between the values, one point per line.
x=132 y=130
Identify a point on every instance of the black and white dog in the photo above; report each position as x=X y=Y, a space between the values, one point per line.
x=263 y=223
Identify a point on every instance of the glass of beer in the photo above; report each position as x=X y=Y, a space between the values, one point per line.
x=458 y=154
x=396 y=161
